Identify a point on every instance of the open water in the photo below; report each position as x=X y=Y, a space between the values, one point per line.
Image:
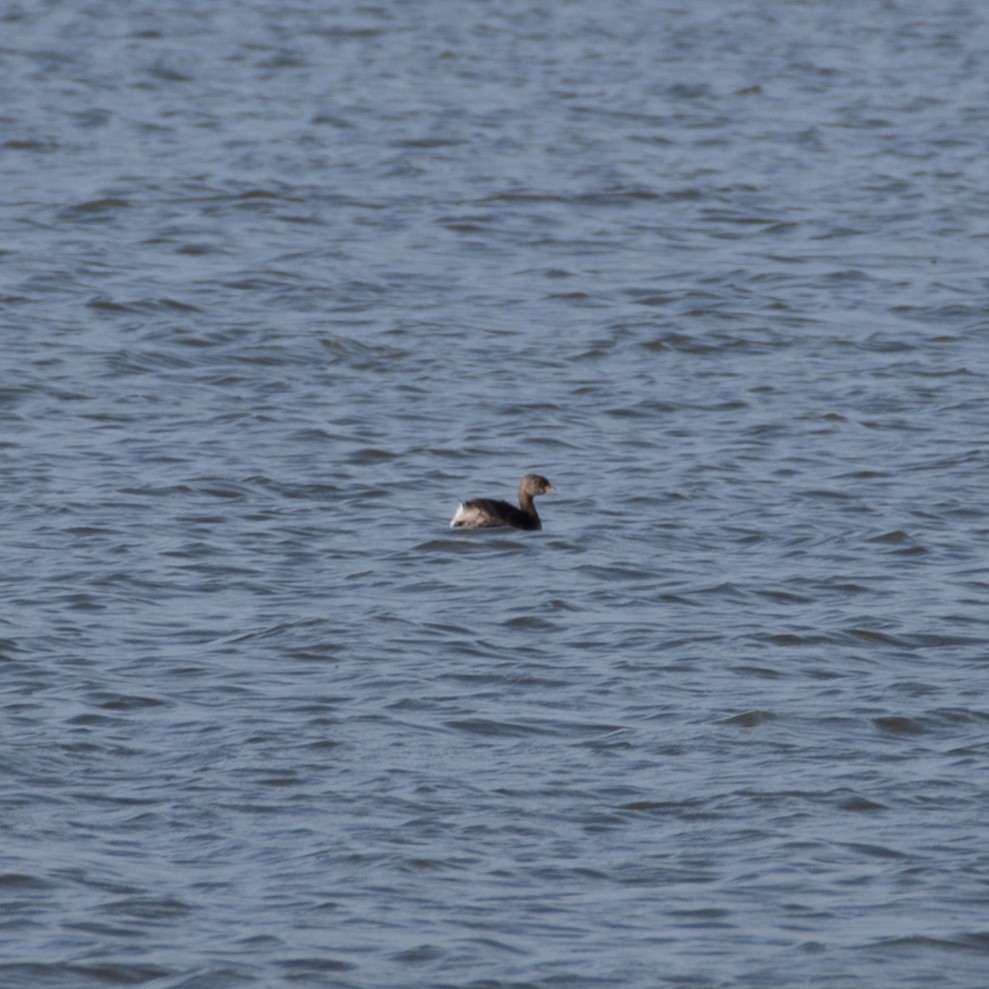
x=281 y=281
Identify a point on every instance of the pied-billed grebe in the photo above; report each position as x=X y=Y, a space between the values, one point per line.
x=486 y=513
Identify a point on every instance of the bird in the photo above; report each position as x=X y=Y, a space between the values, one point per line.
x=487 y=513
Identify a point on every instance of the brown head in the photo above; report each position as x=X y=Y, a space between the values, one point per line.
x=534 y=484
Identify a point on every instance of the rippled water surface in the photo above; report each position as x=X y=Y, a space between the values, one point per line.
x=281 y=282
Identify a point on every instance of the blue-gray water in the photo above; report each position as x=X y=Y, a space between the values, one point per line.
x=281 y=282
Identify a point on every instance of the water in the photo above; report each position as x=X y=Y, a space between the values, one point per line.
x=282 y=282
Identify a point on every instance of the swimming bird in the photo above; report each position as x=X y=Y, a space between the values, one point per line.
x=486 y=513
